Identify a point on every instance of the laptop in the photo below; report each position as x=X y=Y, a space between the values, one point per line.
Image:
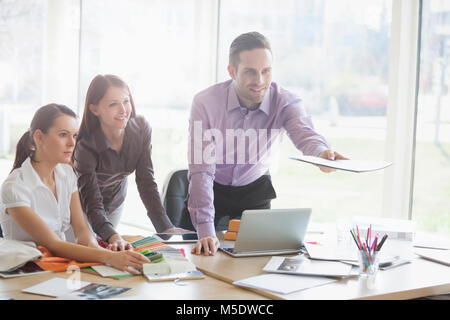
x=269 y=232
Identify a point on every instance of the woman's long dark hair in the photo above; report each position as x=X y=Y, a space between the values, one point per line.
x=43 y=120
x=96 y=91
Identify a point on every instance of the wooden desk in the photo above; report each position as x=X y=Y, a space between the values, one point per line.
x=418 y=279
x=205 y=289
x=202 y=289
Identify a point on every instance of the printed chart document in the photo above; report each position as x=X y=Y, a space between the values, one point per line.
x=282 y=283
x=56 y=287
x=304 y=266
x=74 y=290
x=346 y=165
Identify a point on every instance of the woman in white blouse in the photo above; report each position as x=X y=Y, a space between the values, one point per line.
x=40 y=200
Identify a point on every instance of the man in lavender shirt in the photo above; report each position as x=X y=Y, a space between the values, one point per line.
x=234 y=126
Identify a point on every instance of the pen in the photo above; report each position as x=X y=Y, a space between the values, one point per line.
x=354 y=239
x=382 y=242
x=367 y=236
x=367 y=254
x=393 y=264
x=374 y=244
x=359 y=239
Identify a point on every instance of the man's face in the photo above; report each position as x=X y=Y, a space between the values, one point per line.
x=252 y=76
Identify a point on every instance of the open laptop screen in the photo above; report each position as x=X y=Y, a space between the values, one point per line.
x=273 y=229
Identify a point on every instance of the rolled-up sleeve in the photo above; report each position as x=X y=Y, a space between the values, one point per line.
x=201 y=173
x=300 y=130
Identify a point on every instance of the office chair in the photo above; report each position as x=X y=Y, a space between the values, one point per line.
x=174 y=195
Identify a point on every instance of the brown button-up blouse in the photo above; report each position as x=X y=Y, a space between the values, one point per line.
x=102 y=176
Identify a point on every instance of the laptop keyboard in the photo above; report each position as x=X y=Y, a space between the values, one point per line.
x=230 y=250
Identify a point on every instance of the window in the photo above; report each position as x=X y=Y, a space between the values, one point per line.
x=163 y=51
x=335 y=56
x=431 y=201
x=38 y=64
x=21 y=55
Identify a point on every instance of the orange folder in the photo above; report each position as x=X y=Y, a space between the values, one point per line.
x=233 y=225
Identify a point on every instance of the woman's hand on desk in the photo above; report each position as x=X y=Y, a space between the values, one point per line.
x=116 y=243
x=208 y=245
x=123 y=260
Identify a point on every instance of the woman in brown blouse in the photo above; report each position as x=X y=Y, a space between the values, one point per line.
x=113 y=142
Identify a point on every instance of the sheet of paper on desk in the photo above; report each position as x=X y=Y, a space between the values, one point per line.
x=330 y=252
x=302 y=266
x=346 y=165
x=282 y=283
x=94 y=291
x=436 y=255
x=56 y=287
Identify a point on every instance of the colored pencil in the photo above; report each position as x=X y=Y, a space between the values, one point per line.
x=382 y=242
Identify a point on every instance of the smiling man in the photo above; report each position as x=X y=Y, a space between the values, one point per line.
x=234 y=126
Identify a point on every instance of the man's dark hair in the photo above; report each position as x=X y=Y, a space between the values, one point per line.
x=247 y=41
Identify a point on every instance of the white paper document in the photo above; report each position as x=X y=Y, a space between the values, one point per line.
x=436 y=255
x=347 y=165
x=303 y=266
x=56 y=287
x=69 y=289
x=282 y=283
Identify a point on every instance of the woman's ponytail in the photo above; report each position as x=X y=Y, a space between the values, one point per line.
x=24 y=149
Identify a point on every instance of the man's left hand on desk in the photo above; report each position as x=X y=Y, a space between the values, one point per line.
x=207 y=245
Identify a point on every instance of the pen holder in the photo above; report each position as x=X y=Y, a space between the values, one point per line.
x=368 y=264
